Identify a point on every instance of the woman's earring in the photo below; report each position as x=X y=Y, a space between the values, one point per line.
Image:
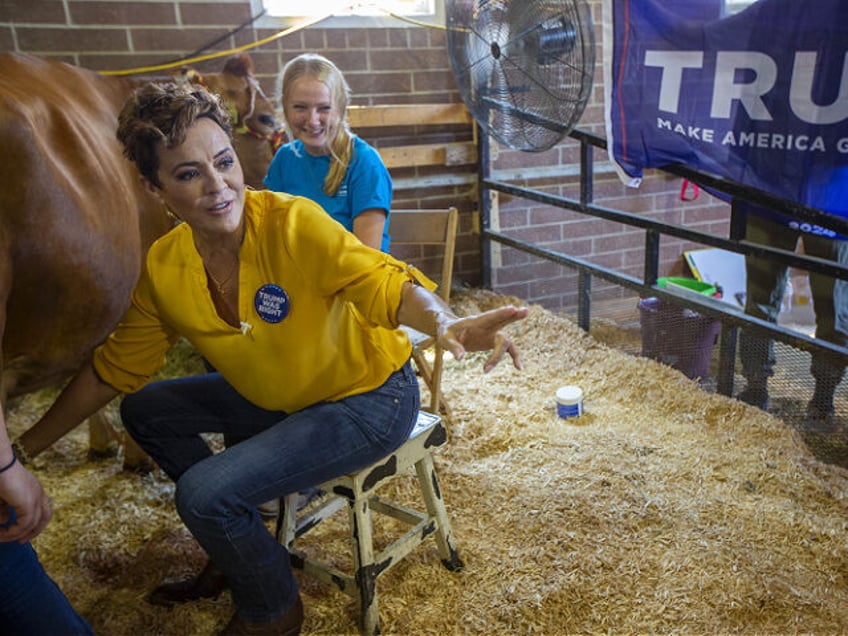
x=172 y=214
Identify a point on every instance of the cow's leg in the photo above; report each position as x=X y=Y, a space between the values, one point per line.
x=103 y=440
x=135 y=459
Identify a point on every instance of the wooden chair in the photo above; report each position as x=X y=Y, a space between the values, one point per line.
x=428 y=228
x=357 y=492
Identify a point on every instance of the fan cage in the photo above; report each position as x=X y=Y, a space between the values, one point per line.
x=524 y=69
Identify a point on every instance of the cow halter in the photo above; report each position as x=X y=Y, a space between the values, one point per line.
x=277 y=137
x=239 y=123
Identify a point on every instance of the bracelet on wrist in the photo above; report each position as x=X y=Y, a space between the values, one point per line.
x=10 y=464
x=18 y=450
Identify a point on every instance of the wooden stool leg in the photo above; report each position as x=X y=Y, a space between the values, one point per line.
x=287 y=520
x=436 y=508
x=365 y=570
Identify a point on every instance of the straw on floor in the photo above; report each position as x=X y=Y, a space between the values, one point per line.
x=663 y=509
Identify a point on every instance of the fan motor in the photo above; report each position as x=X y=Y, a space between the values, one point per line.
x=556 y=37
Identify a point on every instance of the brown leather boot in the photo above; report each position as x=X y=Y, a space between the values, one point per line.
x=287 y=625
x=208 y=584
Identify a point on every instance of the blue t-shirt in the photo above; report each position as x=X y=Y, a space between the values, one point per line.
x=366 y=183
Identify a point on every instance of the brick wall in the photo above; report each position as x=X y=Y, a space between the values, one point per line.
x=401 y=64
x=605 y=243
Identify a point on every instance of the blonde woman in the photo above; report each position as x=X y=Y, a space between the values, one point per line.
x=324 y=161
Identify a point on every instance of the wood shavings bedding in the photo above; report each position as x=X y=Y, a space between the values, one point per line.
x=662 y=509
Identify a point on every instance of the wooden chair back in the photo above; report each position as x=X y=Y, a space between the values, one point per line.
x=429 y=228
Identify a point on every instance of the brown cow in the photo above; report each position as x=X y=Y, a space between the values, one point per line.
x=74 y=222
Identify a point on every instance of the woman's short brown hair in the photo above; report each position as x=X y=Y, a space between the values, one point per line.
x=163 y=112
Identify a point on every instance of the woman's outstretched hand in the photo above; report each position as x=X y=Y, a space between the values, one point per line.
x=482 y=332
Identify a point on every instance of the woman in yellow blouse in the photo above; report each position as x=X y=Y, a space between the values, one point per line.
x=300 y=321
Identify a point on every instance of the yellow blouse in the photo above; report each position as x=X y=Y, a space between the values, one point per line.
x=318 y=310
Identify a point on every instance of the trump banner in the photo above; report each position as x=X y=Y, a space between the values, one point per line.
x=759 y=97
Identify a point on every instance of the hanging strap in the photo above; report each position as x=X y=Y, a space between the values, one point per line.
x=689 y=191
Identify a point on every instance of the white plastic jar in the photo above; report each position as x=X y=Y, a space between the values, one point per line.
x=569 y=400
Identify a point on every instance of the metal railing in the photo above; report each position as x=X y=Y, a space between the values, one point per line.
x=732 y=319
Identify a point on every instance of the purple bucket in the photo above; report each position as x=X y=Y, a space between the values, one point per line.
x=678 y=337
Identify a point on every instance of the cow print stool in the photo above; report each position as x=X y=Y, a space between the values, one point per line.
x=358 y=491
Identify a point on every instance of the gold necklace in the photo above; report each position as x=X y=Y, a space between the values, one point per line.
x=221 y=286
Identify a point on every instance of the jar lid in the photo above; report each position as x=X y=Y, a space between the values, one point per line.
x=569 y=394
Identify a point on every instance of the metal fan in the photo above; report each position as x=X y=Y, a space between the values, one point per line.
x=524 y=68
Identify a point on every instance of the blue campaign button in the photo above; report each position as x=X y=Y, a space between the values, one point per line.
x=272 y=303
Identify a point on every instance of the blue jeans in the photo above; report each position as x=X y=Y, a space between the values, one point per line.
x=31 y=604
x=217 y=494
